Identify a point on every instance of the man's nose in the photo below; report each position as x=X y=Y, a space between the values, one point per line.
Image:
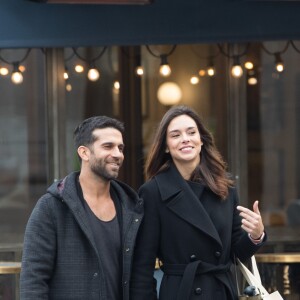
x=117 y=152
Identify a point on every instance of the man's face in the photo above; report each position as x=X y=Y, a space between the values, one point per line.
x=106 y=154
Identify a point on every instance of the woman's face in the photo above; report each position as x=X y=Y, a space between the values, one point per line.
x=183 y=141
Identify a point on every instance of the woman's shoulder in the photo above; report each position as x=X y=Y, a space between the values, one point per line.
x=148 y=185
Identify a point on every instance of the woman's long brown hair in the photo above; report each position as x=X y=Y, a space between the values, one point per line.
x=212 y=169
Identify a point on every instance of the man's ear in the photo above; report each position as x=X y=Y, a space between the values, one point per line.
x=83 y=152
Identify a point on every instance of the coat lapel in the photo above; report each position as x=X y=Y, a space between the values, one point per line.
x=182 y=201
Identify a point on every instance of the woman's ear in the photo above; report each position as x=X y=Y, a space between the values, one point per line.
x=167 y=150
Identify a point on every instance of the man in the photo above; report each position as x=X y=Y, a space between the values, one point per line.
x=80 y=237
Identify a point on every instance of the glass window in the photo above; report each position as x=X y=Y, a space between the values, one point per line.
x=23 y=140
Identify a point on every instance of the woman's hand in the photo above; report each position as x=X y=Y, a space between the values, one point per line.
x=252 y=221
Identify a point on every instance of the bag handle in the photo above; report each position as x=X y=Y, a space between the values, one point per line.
x=252 y=279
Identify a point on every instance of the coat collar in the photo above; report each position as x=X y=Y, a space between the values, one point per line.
x=182 y=201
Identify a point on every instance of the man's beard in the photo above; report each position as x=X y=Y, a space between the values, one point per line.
x=98 y=168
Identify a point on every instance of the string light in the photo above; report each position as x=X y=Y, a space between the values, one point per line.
x=249 y=65
x=79 y=68
x=4 y=71
x=66 y=74
x=279 y=66
x=16 y=76
x=236 y=70
x=68 y=87
x=252 y=79
x=93 y=73
x=211 y=70
x=164 y=69
x=194 y=80
x=202 y=73
x=139 y=70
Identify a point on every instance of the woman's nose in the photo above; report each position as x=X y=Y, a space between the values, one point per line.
x=185 y=137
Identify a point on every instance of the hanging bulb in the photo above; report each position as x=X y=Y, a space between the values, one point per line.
x=194 y=80
x=139 y=70
x=93 y=73
x=16 y=76
x=22 y=68
x=66 y=74
x=252 y=79
x=211 y=70
x=164 y=69
x=3 y=71
x=79 y=68
x=279 y=63
x=202 y=73
x=236 y=70
x=248 y=65
x=117 y=85
x=68 y=87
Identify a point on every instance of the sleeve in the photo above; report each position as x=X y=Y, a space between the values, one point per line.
x=143 y=284
x=38 y=256
x=242 y=246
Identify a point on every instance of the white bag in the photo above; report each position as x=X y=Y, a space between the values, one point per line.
x=255 y=280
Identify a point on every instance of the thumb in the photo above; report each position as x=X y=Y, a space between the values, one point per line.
x=255 y=207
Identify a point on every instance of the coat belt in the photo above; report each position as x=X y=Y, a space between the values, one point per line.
x=189 y=271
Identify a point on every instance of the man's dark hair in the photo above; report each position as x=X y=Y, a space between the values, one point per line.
x=83 y=134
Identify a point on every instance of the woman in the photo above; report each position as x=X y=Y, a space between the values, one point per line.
x=192 y=222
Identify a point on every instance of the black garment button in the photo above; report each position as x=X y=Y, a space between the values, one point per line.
x=198 y=291
x=193 y=257
x=217 y=254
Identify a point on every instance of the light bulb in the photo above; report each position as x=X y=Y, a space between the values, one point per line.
x=139 y=71
x=278 y=63
x=17 y=77
x=202 y=73
x=280 y=67
x=117 y=85
x=194 y=80
x=3 y=71
x=211 y=71
x=93 y=74
x=249 y=65
x=68 y=87
x=237 y=71
x=252 y=80
x=169 y=93
x=79 y=68
x=165 y=70
x=66 y=74
x=22 y=68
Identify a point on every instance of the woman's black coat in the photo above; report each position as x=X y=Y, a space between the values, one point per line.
x=194 y=234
